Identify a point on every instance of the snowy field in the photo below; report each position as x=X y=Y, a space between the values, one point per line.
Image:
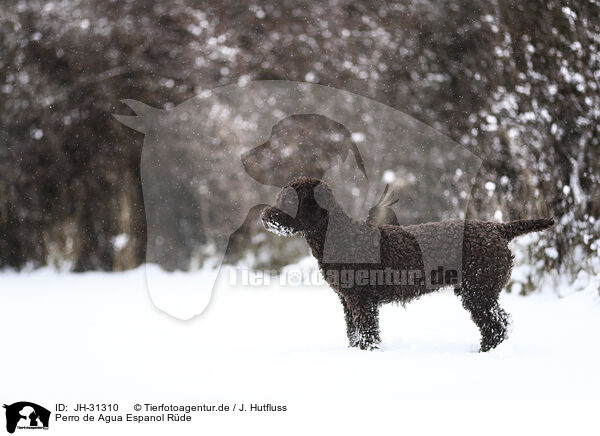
x=97 y=337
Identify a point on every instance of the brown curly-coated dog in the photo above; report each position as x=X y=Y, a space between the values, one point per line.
x=356 y=250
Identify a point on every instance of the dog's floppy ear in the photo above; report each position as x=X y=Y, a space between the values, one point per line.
x=324 y=196
x=315 y=202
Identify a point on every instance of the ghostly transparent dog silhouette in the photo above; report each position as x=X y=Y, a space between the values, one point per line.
x=211 y=133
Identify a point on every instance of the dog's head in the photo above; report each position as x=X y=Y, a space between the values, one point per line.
x=301 y=145
x=302 y=206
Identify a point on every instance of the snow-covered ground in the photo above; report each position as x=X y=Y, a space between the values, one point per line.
x=97 y=337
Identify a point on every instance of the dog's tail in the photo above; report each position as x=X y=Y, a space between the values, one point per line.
x=382 y=212
x=516 y=228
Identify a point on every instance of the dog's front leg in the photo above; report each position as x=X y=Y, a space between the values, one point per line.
x=351 y=329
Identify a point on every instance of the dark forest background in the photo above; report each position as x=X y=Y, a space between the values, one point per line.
x=516 y=82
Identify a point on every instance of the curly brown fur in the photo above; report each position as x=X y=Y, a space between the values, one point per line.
x=486 y=259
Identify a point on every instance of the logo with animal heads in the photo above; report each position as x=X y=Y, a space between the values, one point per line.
x=194 y=154
x=26 y=415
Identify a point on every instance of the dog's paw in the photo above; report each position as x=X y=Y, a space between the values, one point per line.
x=368 y=346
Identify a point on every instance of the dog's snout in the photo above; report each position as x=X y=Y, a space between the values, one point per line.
x=264 y=214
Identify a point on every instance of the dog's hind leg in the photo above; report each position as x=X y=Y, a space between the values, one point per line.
x=366 y=318
x=487 y=314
